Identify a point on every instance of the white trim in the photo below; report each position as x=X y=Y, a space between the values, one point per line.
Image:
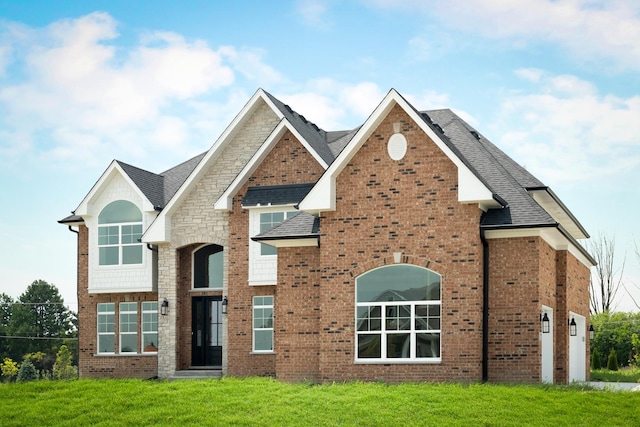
x=558 y=212
x=83 y=208
x=160 y=230
x=322 y=195
x=224 y=202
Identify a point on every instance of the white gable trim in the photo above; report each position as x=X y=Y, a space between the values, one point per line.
x=226 y=199
x=551 y=235
x=322 y=195
x=160 y=230
x=83 y=208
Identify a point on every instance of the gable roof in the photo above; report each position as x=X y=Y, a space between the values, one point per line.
x=302 y=229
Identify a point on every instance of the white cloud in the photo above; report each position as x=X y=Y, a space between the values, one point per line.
x=566 y=131
x=313 y=13
x=89 y=97
x=594 y=30
x=250 y=62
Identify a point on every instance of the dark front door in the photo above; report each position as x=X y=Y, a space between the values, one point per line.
x=207 y=331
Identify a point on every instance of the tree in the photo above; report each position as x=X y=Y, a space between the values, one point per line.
x=39 y=321
x=63 y=369
x=606 y=278
x=9 y=369
x=27 y=372
x=6 y=303
x=614 y=331
x=596 y=362
x=612 y=361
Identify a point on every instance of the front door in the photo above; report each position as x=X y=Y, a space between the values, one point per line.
x=206 y=347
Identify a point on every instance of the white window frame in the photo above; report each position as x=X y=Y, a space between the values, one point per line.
x=149 y=308
x=121 y=246
x=263 y=269
x=102 y=319
x=262 y=328
x=384 y=331
x=125 y=310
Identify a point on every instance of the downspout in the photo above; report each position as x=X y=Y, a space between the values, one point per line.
x=485 y=307
x=73 y=231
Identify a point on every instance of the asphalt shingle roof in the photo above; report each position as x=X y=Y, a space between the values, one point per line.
x=276 y=194
x=301 y=225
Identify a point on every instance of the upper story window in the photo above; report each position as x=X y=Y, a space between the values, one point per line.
x=268 y=220
x=398 y=315
x=208 y=267
x=119 y=228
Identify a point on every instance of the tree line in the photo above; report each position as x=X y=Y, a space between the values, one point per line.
x=35 y=329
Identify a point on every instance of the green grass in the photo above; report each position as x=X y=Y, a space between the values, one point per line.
x=266 y=402
x=623 y=375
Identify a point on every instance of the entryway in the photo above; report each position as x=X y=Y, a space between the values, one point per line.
x=578 y=349
x=206 y=340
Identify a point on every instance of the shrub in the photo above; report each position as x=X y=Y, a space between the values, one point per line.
x=596 y=361
x=27 y=372
x=612 y=362
x=62 y=369
x=635 y=349
x=9 y=369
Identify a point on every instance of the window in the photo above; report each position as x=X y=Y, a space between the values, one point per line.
x=263 y=324
x=208 y=268
x=128 y=327
x=150 y=327
x=268 y=220
x=106 y=328
x=263 y=260
x=119 y=228
x=398 y=315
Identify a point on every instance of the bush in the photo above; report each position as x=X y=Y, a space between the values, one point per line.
x=62 y=369
x=27 y=372
x=9 y=369
x=635 y=348
x=612 y=362
x=596 y=361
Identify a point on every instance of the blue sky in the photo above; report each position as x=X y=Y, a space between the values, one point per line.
x=555 y=84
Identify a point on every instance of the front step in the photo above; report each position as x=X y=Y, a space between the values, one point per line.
x=197 y=374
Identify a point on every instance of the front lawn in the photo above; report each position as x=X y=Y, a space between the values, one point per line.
x=628 y=374
x=266 y=402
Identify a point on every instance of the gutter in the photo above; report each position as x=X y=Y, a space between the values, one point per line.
x=485 y=306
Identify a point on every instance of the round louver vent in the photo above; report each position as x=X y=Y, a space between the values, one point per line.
x=397 y=146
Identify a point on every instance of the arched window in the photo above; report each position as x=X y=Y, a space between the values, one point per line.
x=208 y=266
x=398 y=314
x=119 y=228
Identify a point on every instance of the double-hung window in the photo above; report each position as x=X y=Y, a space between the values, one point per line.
x=149 y=327
x=128 y=327
x=119 y=228
x=263 y=260
x=398 y=315
x=106 y=328
x=263 y=324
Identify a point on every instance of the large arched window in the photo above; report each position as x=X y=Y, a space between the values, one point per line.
x=398 y=315
x=208 y=268
x=119 y=228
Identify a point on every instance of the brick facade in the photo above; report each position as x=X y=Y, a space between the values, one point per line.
x=387 y=212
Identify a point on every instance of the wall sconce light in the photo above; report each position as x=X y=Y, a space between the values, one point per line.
x=592 y=332
x=164 y=307
x=225 y=304
x=573 y=327
x=545 y=323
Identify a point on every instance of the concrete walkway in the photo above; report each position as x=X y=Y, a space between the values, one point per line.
x=615 y=386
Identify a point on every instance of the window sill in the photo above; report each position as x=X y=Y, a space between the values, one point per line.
x=123 y=354
x=262 y=352
x=397 y=362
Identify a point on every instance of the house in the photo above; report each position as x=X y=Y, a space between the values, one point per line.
x=408 y=249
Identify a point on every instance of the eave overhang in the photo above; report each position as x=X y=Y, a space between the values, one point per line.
x=554 y=206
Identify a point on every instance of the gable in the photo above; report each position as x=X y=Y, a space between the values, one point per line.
x=471 y=189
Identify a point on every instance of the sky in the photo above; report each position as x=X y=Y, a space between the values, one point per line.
x=553 y=83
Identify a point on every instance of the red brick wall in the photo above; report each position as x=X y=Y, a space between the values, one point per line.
x=287 y=163
x=408 y=206
x=515 y=272
x=89 y=363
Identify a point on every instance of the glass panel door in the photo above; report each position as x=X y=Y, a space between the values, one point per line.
x=207 y=331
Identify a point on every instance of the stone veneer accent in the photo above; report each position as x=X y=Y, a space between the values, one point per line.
x=196 y=222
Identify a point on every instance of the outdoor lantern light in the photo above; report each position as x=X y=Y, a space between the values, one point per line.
x=573 y=328
x=164 y=307
x=545 y=323
x=225 y=304
x=592 y=332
